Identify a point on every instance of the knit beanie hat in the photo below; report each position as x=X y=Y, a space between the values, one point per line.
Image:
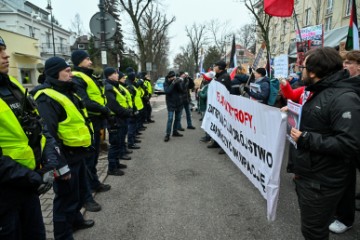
x=121 y=75
x=171 y=74
x=221 y=64
x=131 y=76
x=78 y=56
x=2 y=42
x=261 y=71
x=129 y=70
x=109 y=71
x=54 y=65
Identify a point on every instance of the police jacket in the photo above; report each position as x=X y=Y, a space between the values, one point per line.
x=330 y=138
x=95 y=107
x=135 y=94
x=174 y=94
x=118 y=103
x=18 y=180
x=54 y=113
x=224 y=78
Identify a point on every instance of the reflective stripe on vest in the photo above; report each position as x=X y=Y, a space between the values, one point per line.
x=94 y=92
x=127 y=95
x=121 y=99
x=13 y=140
x=73 y=131
x=137 y=100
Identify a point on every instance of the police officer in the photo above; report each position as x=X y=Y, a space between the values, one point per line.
x=121 y=110
x=67 y=120
x=149 y=90
x=28 y=158
x=90 y=91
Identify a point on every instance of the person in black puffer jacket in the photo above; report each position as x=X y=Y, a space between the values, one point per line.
x=240 y=79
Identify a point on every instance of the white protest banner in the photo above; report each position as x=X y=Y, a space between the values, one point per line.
x=281 y=66
x=253 y=136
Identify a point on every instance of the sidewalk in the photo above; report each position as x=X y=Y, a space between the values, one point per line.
x=46 y=199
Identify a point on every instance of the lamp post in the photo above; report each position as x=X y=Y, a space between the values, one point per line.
x=52 y=25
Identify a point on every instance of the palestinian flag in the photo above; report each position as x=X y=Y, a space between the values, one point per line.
x=352 y=40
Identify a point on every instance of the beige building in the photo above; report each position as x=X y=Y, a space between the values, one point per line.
x=333 y=14
x=24 y=56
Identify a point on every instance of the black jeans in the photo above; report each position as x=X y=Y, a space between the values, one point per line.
x=317 y=207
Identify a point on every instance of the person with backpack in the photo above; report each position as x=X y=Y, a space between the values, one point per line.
x=261 y=90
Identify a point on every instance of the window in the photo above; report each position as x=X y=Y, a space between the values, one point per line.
x=328 y=23
x=26 y=76
x=31 y=31
x=308 y=17
x=348 y=8
x=284 y=27
x=81 y=46
x=329 y=7
x=48 y=37
x=282 y=46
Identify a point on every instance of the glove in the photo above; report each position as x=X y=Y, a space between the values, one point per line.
x=247 y=88
x=47 y=182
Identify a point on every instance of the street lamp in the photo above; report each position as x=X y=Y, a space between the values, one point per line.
x=52 y=24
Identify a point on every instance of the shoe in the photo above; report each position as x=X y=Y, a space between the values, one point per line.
x=137 y=141
x=115 y=172
x=338 y=227
x=92 y=206
x=357 y=196
x=103 y=188
x=221 y=151
x=121 y=166
x=177 y=134
x=213 y=145
x=205 y=139
x=142 y=129
x=357 y=205
x=181 y=129
x=138 y=133
x=85 y=224
x=125 y=157
x=191 y=127
x=200 y=119
x=167 y=138
x=134 y=146
x=150 y=121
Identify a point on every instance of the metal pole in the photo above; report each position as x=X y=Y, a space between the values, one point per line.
x=49 y=7
x=102 y=35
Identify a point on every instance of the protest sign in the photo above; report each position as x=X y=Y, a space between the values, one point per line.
x=252 y=134
x=293 y=119
x=281 y=66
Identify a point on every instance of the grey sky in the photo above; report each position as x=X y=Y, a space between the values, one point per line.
x=186 y=12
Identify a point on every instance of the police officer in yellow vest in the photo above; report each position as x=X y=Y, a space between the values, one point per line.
x=94 y=98
x=27 y=151
x=67 y=120
x=149 y=90
x=121 y=108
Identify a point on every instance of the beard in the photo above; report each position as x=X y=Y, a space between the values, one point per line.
x=308 y=80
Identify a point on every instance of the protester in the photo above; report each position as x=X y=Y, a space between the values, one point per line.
x=121 y=110
x=203 y=92
x=66 y=118
x=262 y=85
x=221 y=74
x=29 y=156
x=345 y=212
x=239 y=80
x=328 y=140
x=92 y=93
x=293 y=80
x=173 y=90
x=187 y=85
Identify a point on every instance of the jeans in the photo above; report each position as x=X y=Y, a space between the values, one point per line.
x=171 y=120
x=24 y=221
x=69 y=199
x=188 y=114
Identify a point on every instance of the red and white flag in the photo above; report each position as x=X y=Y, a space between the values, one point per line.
x=279 y=8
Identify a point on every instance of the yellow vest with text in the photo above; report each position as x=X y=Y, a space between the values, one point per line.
x=94 y=92
x=121 y=99
x=73 y=131
x=13 y=140
x=127 y=95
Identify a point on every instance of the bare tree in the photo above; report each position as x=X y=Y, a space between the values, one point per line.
x=220 y=32
x=185 y=60
x=247 y=35
x=197 y=36
x=77 y=25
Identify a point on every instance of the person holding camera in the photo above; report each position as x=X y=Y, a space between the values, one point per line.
x=67 y=120
x=30 y=160
x=187 y=85
x=173 y=93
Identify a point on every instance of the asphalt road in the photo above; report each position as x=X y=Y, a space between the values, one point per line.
x=183 y=190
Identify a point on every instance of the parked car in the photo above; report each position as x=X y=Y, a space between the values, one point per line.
x=159 y=86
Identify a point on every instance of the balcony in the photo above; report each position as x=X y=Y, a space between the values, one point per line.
x=60 y=49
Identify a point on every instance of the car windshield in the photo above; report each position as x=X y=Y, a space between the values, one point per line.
x=160 y=80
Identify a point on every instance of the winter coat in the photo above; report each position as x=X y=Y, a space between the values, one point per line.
x=236 y=82
x=262 y=96
x=203 y=97
x=330 y=138
x=224 y=78
x=174 y=94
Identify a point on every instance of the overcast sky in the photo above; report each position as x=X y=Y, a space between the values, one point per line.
x=186 y=12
